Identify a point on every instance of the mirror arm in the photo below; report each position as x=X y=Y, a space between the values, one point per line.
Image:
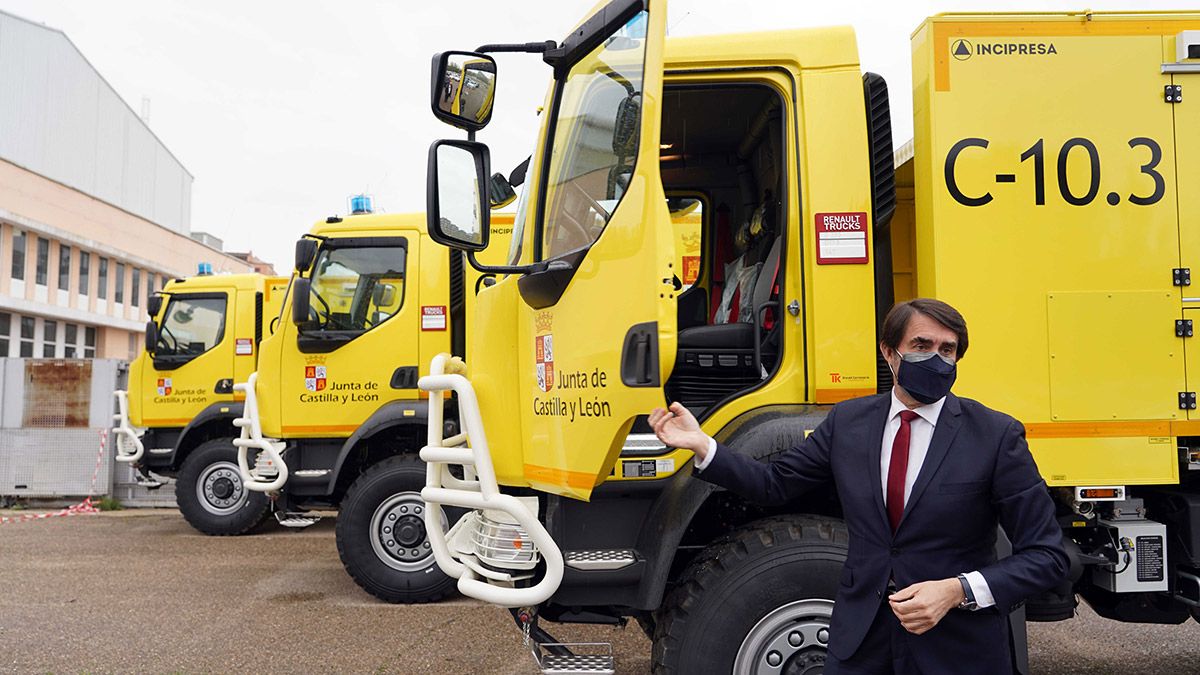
x=499 y=269
x=521 y=48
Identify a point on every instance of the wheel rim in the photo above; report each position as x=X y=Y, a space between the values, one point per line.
x=220 y=490
x=398 y=532
x=791 y=640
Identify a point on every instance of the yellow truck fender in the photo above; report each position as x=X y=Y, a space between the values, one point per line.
x=392 y=416
x=215 y=421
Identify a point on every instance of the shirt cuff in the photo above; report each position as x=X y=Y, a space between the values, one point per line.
x=979 y=586
x=712 y=452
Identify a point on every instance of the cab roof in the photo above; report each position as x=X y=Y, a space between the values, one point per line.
x=248 y=282
x=831 y=47
x=369 y=223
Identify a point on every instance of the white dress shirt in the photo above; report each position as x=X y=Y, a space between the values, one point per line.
x=920 y=434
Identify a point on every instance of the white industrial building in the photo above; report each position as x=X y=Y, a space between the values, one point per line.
x=95 y=211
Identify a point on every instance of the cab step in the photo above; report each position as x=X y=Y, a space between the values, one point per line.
x=600 y=559
x=148 y=479
x=298 y=521
x=575 y=663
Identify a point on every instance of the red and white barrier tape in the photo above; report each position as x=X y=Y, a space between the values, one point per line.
x=83 y=508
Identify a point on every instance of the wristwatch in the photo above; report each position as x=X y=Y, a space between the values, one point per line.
x=968 y=602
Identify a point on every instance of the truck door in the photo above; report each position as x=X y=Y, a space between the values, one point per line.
x=194 y=352
x=596 y=328
x=337 y=369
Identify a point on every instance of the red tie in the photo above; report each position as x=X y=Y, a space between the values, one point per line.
x=898 y=469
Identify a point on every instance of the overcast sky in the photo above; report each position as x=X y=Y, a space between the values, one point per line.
x=283 y=109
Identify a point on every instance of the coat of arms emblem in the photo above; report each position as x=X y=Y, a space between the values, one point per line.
x=164 y=386
x=314 y=378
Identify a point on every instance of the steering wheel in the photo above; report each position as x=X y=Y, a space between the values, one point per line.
x=312 y=311
x=574 y=225
x=164 y=333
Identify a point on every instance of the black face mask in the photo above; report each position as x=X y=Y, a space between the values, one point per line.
x=925 y=378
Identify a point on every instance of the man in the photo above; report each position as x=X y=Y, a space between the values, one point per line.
x=924 y=477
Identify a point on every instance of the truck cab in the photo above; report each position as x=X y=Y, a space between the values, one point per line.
x=203 y=335
x=576 y=514
x=333 y=417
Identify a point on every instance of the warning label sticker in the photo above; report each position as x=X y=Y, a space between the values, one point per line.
x=433 y=317
x=841 y=238
x=243 y=347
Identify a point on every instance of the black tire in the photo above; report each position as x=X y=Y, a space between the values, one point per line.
x=775 y=576
x=210 y=493
x=386 y=499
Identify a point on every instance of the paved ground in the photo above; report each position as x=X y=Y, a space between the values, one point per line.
x=138 y=591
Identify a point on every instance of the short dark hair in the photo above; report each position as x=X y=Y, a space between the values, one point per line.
x=896 y=322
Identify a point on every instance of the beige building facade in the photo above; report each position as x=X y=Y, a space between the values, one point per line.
x=94 y=209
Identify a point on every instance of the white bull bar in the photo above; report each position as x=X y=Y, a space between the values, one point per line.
x=251 y=438
x=479 y=491
x=128 y=439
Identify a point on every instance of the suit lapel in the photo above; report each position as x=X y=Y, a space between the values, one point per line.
x=878 y=419
x=943 y=435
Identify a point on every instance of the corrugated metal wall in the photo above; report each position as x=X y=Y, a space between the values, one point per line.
x=60 y=119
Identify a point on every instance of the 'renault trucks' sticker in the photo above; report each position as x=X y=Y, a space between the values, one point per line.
x=433 y=317
x=244 y=347
x=841 y=238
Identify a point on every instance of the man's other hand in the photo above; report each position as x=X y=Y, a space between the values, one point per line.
x=676 y=427
x=922 y=605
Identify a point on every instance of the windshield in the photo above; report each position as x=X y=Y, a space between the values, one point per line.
x=356 y=289
x=191 y=325
x=596 y=130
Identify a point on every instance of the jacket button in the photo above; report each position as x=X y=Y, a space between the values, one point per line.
x=879 y=594
x=895 y=551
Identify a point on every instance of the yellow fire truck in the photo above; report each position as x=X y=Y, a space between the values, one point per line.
x=174 y=420
x=326 y=424
x=1048 y=201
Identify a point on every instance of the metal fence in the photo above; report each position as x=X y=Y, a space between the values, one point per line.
x=55 y=415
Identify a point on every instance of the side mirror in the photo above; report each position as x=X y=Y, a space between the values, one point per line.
x=151 y=336
x=464 y=89
x=154 y=304
x=301 y=290
x=456 y=194
x=500 y=192
x=383 y=295
x=306 y=252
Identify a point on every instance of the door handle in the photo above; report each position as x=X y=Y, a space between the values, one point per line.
x=224 y=386
x=639 y=356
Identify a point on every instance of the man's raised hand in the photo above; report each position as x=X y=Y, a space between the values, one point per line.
x=676 y=427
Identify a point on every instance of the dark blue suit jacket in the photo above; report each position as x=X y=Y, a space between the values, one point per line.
x=978 y=473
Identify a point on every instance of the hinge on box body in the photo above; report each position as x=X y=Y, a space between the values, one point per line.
x=1187 y=400
x=1183 y=328
x=1173 y=93
x=1181 y=276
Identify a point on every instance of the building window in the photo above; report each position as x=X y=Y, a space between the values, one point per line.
x=49 y=338
x=64 y=267
x=135 y=291
x=27 y=336
x=149 y=286
x=119 y=284
x=89 y=342
x=18 y=256
x=102 y=286
x=43 y=261
x=5 y=322
x=85 y=271
x=70 y=337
